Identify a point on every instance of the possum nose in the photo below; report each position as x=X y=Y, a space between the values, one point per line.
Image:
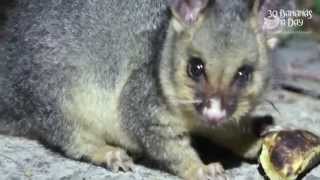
x=213 y=110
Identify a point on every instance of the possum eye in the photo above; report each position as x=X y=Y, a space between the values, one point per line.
x=243 y=76
x=195 y=68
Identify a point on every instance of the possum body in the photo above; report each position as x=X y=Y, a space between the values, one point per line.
x=101 y=79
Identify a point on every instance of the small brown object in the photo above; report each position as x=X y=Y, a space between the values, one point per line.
x=287 y=154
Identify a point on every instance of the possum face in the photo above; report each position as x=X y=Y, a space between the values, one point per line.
x=218 y=63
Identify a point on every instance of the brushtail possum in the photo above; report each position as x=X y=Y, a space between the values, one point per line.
x=104 y=79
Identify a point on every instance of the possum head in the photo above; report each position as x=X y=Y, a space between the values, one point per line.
x=214 y=62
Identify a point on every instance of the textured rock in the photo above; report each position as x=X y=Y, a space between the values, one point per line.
x=25 y=159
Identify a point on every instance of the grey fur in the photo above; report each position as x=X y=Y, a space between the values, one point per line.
x=48 y=42
x=53 y=45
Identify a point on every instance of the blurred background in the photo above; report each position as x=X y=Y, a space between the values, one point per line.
x=314 y=24
x=297 y=56
x=296 y=76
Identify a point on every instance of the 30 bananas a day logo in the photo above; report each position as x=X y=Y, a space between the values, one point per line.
x=276 y=19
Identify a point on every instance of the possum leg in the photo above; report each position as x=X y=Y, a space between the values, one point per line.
x=174 y=151
x=96 y=151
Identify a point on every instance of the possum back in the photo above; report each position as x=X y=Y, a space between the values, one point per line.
x=49 y=47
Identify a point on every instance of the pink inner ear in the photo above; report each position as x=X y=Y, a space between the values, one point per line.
x=188 y=10
x=189 y=15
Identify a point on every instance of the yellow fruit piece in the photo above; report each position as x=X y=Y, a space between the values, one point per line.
x=287 y=154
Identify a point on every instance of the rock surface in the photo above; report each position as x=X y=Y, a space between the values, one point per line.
x=25 y=159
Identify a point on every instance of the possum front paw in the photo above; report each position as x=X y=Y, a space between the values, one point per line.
x=118 y=160
x=213 y=171
x=113 y=158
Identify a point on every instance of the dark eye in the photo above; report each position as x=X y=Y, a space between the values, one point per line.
x=195 y=68
x=243 y=75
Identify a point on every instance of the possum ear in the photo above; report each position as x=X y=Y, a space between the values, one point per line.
x=269 y=14
x=187 y=12
x=251 y=4
x=270 y=20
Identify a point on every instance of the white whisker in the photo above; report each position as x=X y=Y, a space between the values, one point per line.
x=178 y=101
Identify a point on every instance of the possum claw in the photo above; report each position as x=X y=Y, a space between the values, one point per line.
x=118 y=160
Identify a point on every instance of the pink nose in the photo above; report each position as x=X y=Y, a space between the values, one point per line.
x=213 y=112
